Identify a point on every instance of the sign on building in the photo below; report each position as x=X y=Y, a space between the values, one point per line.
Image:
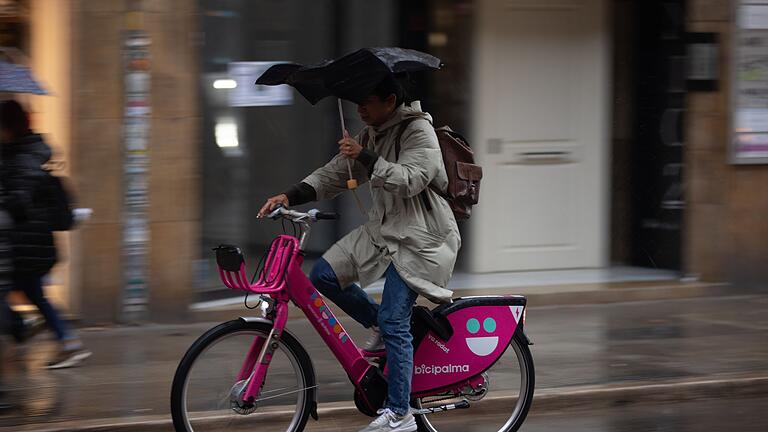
x=749 y=142
x=247 y=93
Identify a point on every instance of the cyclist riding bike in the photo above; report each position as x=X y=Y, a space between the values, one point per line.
x=411 y=237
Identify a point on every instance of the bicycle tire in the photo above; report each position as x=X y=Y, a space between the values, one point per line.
x=288 y=343
x=525 y=358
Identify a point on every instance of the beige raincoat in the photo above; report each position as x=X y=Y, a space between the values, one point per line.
x=421 y=244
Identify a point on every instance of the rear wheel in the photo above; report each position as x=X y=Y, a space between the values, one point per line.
x=201 y=398
x=502 y=407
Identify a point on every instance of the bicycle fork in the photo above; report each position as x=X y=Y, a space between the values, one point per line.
x=254 y=370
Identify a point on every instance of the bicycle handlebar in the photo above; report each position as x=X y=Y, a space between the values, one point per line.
x=311 y=216
x=318 y=215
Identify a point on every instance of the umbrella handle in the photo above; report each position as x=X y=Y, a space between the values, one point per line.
x=351 y=183
x=341 y=116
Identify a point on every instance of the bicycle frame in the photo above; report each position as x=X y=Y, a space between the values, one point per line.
x=284 y=281
x=443 y=365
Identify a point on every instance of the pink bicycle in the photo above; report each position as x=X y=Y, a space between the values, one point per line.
x=253 y=374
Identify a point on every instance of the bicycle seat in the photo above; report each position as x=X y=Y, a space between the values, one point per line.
x=459 y=303
x=438 y=324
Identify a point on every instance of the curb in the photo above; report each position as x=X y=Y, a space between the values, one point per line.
x=545 y=401
x=606 y=397
x=624 y=295
x=568 y=296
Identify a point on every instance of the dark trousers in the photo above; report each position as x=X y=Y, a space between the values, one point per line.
x=4 y=328
x=32 y=287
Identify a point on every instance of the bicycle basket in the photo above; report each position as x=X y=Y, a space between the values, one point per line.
x=232 y=272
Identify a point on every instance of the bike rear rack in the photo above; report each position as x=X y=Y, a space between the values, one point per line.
x=231 y=263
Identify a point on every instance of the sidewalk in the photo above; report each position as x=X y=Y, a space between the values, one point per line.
x=584 y=355
x=538 y=296
x=545 y=288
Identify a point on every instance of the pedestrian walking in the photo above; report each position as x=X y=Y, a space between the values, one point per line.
x=23 y=155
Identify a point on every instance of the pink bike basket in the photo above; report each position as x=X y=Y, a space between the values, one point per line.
x=271 y=279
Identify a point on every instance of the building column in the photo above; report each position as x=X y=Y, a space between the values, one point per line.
x=97 y=155
x=174 y=191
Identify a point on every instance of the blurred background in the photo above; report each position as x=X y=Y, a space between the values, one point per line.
x=624 y=143
x=606 y=130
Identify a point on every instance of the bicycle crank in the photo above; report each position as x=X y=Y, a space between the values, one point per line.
x=440 y=408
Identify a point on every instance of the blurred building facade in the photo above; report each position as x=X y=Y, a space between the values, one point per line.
x=598 y=146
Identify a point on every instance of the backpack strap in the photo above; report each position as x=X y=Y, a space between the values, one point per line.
x=364 y=139
x=398 y=137
x=400 y=131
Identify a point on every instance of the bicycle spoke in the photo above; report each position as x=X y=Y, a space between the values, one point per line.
x=286 y=393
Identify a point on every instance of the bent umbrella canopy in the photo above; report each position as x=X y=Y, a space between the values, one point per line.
x=352 y=77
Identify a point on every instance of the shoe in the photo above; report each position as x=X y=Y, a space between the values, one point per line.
x=68 y=357
x=24 y=330
x=35 y=326
x=374 y=342
x=6 y=408
x=388 y=421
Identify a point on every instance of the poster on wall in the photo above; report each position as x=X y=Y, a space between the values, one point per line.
x=749 y=139
x=136 y=119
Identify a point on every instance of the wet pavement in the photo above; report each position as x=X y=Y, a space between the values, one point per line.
x=130 y=372
x=736 y=415
x=729 y=415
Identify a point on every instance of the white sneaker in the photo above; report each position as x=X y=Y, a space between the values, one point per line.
x=374 y=342
x=388 y=421
x=68 y=357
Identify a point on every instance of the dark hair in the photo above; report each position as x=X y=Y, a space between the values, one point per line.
x=14 y=118
x=391 y=86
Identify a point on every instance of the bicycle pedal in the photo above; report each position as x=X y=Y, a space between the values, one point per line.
x=440 y=408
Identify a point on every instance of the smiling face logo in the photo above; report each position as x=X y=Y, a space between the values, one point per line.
x=483 y=345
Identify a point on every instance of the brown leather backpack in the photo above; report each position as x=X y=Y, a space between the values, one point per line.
x=463 y=174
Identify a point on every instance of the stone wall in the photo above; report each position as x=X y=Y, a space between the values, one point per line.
x=726 y=234
x=174 y=148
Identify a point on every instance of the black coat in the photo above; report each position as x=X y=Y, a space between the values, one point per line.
x=31 y=238
x=6 y=266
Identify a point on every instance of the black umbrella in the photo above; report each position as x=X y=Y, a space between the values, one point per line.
x=312 y=88
x=352 y=77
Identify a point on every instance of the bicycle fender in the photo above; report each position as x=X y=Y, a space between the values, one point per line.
x=251 y=319
x=526 y=339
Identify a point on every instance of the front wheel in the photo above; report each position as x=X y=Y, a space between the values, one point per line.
x=508 y=395
x=201 y=395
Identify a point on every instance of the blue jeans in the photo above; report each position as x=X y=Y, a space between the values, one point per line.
x=393 y=317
